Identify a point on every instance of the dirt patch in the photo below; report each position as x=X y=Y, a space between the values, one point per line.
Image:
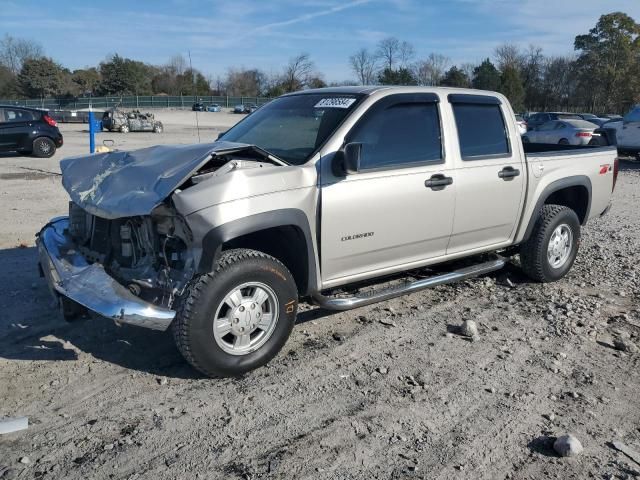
x=27 y=176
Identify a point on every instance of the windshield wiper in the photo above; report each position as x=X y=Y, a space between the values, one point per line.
x=270 y=156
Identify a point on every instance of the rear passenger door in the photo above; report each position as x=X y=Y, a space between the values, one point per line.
x=490 y=175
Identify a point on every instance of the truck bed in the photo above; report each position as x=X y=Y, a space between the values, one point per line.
x=593 y=167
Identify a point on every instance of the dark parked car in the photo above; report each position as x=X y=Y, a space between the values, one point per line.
x=198 y=107
x=28 y=130
x=538 y=119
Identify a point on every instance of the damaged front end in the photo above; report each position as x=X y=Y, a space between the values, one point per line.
x=128 y=269
x=124 y=252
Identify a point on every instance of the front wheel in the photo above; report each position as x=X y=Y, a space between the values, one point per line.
x=157 y=128
x=551 y=249
x=124 y=128
x=238 y=317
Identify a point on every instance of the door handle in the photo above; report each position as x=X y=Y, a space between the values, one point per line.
x=508 y=172
x=438 y=182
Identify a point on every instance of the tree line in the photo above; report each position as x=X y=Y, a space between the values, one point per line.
x=601 y=75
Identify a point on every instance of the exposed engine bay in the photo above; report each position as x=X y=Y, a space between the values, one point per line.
x=150 y=255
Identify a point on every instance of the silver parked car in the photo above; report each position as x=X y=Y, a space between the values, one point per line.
x=562 y=132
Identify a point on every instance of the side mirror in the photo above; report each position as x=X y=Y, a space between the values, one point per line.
x=221 y=134
x=346 y=161
x=351 y=158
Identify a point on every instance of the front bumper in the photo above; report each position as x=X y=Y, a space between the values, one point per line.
x=68 y=274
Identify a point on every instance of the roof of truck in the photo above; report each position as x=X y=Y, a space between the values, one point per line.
x=368 y=90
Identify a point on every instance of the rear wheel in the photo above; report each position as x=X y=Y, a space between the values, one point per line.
x=237 y=318
x=563 y=141
x=124 y=129
x=157 y=128
x=526 y=140
x=552 y=247
x=43 y=147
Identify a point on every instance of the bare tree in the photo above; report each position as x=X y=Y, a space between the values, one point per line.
x=431 y=70
x=388 y=52
x=14 y=52
x=241 y=82
x=468 y=68
x=178 y=64
x=508 y=56
x=297 y=72
x=363 y=64
x=406 y=52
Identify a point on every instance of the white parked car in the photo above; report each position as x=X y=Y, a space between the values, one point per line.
x=562 y=132
x=627 y=132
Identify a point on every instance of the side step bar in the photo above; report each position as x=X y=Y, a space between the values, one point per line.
x=360 y=300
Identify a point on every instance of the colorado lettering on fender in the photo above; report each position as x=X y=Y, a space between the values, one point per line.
x=357 y=236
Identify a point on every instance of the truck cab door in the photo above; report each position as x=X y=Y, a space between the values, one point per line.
x=629 y=134
x=396 y=210
x=490 y=174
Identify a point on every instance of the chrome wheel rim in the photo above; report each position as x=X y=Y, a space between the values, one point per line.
x=246 y=318
x=560 y=244
x=45 y=147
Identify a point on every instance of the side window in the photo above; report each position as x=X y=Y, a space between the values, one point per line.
x=17 y=115
x=2 y=116
x=633 y=115
x=399 y=134
x=546 y=127
x=481 y=130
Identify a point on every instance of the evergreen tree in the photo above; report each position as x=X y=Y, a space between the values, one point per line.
x=455 y=77
x=486 y=76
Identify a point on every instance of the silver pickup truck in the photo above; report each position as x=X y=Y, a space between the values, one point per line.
x=359 y=187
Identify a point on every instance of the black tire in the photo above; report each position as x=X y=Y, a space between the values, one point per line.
x=526 y=140
x=533 y=253
x=563 y=141
x=72 y=311
x=197 y=309
x=43 y=147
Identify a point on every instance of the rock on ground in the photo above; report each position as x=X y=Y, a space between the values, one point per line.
x=567 y=446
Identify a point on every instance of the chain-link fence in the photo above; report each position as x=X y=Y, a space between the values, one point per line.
x=133 y=101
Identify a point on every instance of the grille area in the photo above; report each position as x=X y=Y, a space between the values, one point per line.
x=91 y=233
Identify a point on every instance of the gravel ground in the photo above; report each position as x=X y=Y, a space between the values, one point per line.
x=387 y=391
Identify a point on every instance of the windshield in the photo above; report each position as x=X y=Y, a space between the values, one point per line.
x=294 y=127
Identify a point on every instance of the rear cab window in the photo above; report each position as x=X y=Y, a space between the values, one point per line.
x=482 y=132
x=401 y=130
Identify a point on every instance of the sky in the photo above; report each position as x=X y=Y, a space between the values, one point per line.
x=266 y=33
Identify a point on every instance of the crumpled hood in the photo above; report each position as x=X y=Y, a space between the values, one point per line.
x=124 y=184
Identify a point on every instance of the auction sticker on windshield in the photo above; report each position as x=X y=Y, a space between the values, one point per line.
x=335 y=103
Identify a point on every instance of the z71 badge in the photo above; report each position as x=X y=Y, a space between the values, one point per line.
x=357 y=236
